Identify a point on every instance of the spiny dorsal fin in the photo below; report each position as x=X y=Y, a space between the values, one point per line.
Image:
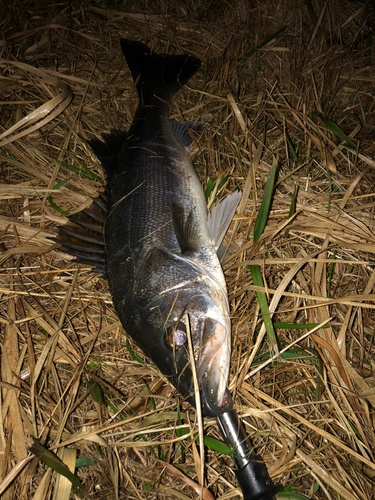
x=182 y=131
x=108 y=149
x=186 y=228
x=221 y=216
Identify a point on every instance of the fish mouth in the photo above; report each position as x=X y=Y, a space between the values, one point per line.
x=213 y=366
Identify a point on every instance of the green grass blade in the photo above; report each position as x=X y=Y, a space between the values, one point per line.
x=86 y=173
x=292 y=150
x=294 y=356
x=331 y=270
x=53 y=461
x=292 y=209
x=259 y=226
x=83 y=462
x=292 y=495
x=51 y=202
x=216 y=445
x=150 y=393
x=266 y=40
x=115 y=409
x=133 y=355
x=55 y=207
x=335 y=129
x=88 y=170
x=298 y=326
x=263 y=304
x=211 y=183
x=210 y=186
x=262 y=217
x=95 y=392
x=61 y=183
x=310 y=10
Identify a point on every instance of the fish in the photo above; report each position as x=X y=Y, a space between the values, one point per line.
x=151 y=235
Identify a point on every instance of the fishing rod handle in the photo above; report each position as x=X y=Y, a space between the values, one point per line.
x=252 y=474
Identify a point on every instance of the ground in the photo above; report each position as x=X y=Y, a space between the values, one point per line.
x=285 y=88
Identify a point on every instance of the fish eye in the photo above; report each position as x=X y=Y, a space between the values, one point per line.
x=176 y=335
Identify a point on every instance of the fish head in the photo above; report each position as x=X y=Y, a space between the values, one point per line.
x=176 y=299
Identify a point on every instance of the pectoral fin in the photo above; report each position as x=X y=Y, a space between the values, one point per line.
x=187 y=230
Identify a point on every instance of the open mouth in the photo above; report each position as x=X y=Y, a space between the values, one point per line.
x=213 y=365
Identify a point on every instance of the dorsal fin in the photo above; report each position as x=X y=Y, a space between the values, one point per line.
x=109 y=149
x=182 y=131
x=83 y=236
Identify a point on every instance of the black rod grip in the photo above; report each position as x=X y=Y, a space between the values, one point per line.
x=255 y=481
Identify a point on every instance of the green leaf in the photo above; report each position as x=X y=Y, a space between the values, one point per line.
x=53 y=461
x=216 y=445
x=83 y=462
x=331 y=270
x=115 y=409
x=95 y=392
x=315 y=487
x=133 y=355
x=61 y=183
x=150 y=393
x=292 y=150
x=297 y=326
x=292 y=495
x=292 y=209
x=263 y=304
x=210 y=186
x=355 y=430
x=89 y=171
x=86 y=173
x=55 y=207
x=262 y=217
x=311 y=12
x=222 y=184
x=335 y=129
x=266 y=40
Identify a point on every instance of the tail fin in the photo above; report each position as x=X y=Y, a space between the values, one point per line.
x=157 y=75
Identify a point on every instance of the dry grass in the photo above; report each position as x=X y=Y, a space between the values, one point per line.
x=311 y=412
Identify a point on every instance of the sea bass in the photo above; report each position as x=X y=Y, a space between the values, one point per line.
x=151 y=235
x=156 y=248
